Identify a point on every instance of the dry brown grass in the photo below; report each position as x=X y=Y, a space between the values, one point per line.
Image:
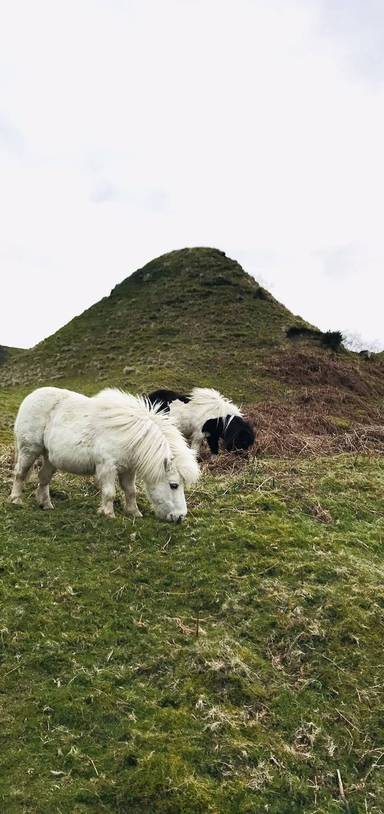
x=361 y=377
x=293 y=429
x=324 y=421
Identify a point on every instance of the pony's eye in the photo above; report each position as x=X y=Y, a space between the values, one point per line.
x=174 y=485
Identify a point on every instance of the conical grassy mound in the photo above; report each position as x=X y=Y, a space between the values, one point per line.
x=187 y=316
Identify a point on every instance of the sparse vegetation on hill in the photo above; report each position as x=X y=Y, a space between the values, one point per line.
x=330 y=339
x=232 y=665
x=9 y=354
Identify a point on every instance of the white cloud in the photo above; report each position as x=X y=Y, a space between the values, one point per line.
x=149 y=126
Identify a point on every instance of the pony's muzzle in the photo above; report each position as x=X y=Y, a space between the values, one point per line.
x=176 y=518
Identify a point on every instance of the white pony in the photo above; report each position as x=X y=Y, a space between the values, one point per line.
x=110 y=435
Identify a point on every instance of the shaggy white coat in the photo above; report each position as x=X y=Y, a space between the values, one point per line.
x=111 y=434
x=205 y=403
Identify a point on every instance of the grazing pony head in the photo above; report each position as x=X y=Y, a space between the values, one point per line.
x=154 y=448
x=173 y=466
x=221 y=418
x=167 y=494
x=238 y=434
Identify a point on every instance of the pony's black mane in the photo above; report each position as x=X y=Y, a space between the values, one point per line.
x=165 y=398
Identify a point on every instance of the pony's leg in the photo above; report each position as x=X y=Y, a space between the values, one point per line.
x=213 y=442
x=42 y=493
x=25 y=460
x=127 y=483
x=196 y=440
x=106 y=476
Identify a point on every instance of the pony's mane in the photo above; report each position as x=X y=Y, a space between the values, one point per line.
x=209 y=403
x=147 y=432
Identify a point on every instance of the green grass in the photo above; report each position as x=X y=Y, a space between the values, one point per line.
x=233 y=664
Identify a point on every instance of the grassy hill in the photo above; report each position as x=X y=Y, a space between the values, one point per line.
x=231 y=664
x=189 y=304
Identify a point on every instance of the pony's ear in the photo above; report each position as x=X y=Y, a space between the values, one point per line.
x=166 y=464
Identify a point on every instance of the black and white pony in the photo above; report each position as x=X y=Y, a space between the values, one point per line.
x=111 y=435
x=205 y=413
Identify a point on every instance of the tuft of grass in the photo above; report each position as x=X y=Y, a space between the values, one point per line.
x=331 y=339
x=230 y=664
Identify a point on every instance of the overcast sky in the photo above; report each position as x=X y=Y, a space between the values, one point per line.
x=129 y=128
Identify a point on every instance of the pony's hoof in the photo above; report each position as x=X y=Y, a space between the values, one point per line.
x=136 y=513
x=46 y=506
x=16 y=501
x=105 y=513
